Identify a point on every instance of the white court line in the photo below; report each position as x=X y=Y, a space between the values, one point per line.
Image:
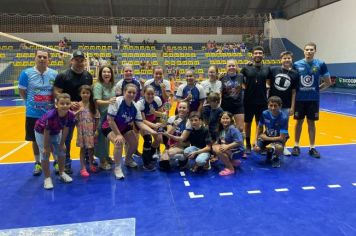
x=182 y=173
x=308 y=188
x=339 y=113
x=334 y=186
x=26 y=162
x=10 y=114
x=192 y=195
x=354 y=184
x=254 y=192
x=186 y=183
x=14 y=150
x=339 y=93
x=13 y=108
x=281 y=190
x=18 y=99
x=8 y=142
x=338 y=137
x=226 y=194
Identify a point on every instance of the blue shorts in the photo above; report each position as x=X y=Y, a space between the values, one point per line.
x=54 y=141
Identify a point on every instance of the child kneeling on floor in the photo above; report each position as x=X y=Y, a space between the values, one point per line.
x=276 y=133
x=200 y=143
x=229 y=144
x=51 y=131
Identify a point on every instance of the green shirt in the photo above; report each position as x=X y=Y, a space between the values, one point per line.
x=103 y=92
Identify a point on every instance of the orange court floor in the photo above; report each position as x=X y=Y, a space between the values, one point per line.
x=332 y=129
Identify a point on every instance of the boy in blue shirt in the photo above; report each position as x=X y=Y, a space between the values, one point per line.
x=276 y=131
x=311 y=71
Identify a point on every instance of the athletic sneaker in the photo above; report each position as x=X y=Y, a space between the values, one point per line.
x=276 y=162
x=248 y=149
x=56 y=167
x=314 y=153
x=48 y=183
x=105 y=166
x=286 y=152
x=37 y=171
x=68 y=170
x=296 y=151
x=130 y=163
x=65 y=178
x=118 y=173
x=149 y=167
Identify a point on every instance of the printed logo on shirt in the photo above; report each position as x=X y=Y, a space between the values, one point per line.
x=307 y=81
x=282 y=82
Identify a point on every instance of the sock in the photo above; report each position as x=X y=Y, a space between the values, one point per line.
x=312 y=146
x=37 y=158
x=296 y=144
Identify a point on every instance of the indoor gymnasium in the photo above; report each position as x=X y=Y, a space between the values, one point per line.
x=181 y=117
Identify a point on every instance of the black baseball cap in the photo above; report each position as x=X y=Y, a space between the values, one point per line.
x=78 y=53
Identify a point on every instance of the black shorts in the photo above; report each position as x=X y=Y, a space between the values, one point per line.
x=233 y=108
x=107 y=131
x=310 y=109
x=30 y=129
x=254 y=110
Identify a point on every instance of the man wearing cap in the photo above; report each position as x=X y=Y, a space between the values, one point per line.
x=69 y=82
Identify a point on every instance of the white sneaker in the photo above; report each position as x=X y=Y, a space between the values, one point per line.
x=286 y=152
x=130 y=163
x=118 y=173
x=65 y=178
x=48 y=183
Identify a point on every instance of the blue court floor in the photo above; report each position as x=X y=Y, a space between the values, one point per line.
x=305 y=196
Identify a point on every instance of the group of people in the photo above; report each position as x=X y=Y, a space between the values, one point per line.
x=212 y=119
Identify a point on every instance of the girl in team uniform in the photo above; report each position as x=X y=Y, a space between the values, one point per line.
x=128 y=79
x=51 y=131
x=229 y=144
x=160 y=85
x=87 y=127
x=150 y=107
x=119 y=127
x=178 y=130
x=191 y=92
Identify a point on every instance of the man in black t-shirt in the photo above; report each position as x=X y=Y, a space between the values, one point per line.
x=69 y=82
x=257 y=78
x=284 y=84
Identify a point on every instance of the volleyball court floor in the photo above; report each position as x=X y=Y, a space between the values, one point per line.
x=305 y=196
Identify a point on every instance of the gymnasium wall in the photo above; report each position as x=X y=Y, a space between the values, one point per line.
x=331 y=27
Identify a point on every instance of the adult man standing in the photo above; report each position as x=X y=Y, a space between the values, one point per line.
x=283 y=84
x=257 y=78
x=311 y=72
x=36 y=88
x=69 y=82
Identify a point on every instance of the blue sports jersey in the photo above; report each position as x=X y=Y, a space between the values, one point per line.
x=274 y=125
x=197 y=93
x=39 y=90
x=121 y=85
x=309 y=79
x=123 y=114
x=158 y=88
x=145 y=107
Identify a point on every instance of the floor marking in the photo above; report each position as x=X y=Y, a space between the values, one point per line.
x=182 y=173
x=18 y=99
x=354 y=184
x=192 y=195
x=308 y=188
x=13 y=108
x=281 y=190
x=186 y=183
x=14 y=150
x=226 y=194
x=334 y=186
x=338 y=137
x=254 y=192
x=339 y=93
x=125 y=227
x=8 y=142
x=10 y=114
x=339 y=113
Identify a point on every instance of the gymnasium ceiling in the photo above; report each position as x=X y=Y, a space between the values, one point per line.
x=160 y=8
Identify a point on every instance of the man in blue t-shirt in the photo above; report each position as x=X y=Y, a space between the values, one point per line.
x=311 y=71
x=36 y=89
